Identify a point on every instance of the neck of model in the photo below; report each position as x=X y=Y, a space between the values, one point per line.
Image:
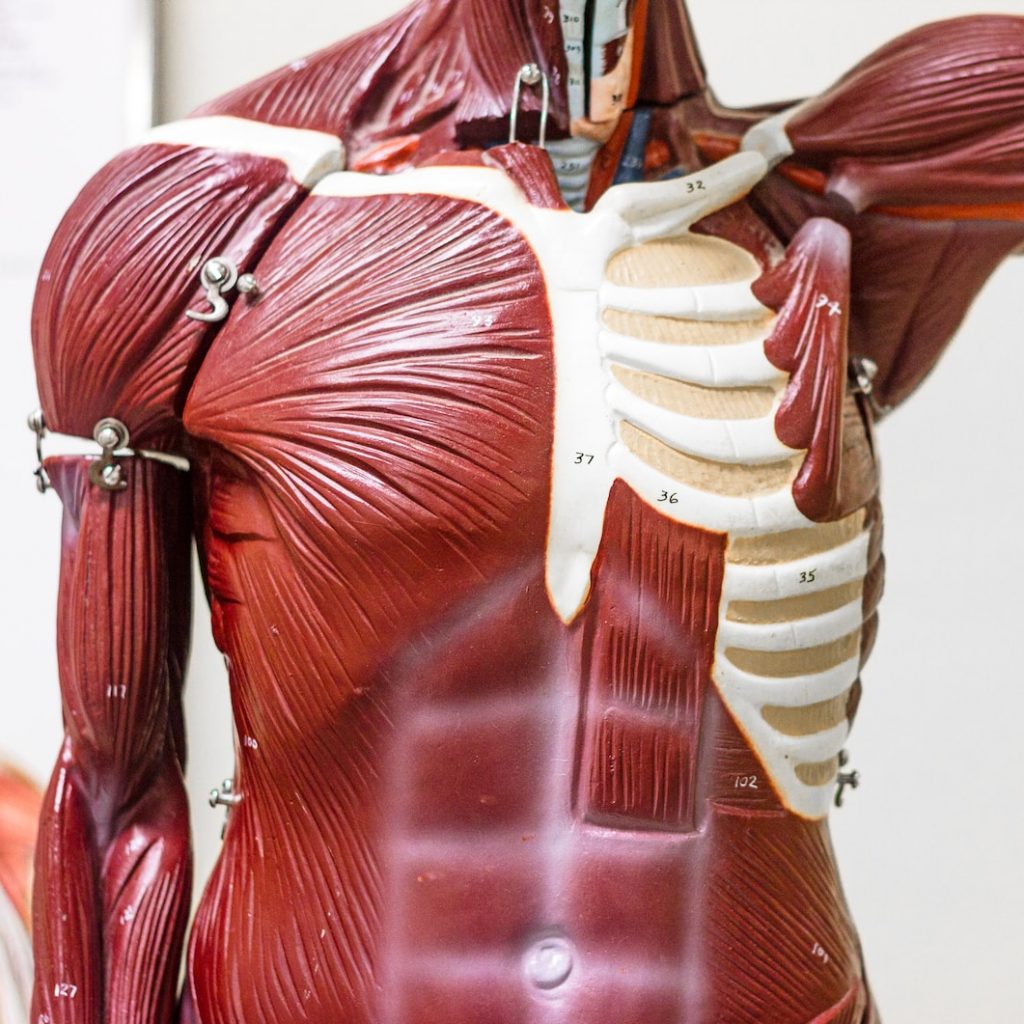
x=574 y=157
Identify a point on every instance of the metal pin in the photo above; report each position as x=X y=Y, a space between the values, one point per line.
x=218 y=277
x=863 y=372
x=530 y=75
x=37 y=424
x=105 y=472
x=249 y=286
x=845 y=780
x=225 y=797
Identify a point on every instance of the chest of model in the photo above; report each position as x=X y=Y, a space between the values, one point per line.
x=435 y=357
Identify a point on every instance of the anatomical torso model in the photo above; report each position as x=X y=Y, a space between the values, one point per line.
x=536 y=501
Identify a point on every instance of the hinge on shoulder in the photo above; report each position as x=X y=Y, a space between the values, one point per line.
x=105 y=471
x=219 y=276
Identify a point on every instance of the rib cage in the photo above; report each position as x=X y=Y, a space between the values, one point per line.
x=696 y=401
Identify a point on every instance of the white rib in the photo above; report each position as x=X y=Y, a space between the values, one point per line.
x=795 y=635
x=745 y=442
x=791 y=692
x=768 y=513
x=309 y=155
x=843 y=564
x=718 y=366
x=666 y=209
x=719 y=303
x=813 y=749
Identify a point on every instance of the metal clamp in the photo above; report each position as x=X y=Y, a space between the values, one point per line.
x=106 y=472
x=845 y=780
x=218 y=277
x=37 y=424
x=225 y=797
x=863 y=372
x=530 y=75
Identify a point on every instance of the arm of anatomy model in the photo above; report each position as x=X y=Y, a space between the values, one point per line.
x=115 y=337
x=113 y=864
x=919 y=152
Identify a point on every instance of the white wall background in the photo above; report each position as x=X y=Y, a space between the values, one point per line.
x=931 y=847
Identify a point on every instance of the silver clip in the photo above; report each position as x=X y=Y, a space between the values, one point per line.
x=37 y=424
x=863 y=372
x=218 y=277
x=530 y=75
x=225 y=797
x=845 y=780
x=106 y=472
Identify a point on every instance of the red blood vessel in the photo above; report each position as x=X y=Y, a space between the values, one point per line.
x=455 y=803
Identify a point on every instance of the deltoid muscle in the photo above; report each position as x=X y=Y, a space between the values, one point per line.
x=537 y=509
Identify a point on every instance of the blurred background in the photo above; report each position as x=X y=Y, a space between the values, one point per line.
x=932 y=844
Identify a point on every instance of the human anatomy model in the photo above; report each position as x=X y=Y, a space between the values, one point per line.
x=537 y=507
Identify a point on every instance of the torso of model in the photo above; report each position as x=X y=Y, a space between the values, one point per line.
x=539 y=672
x=537 y=509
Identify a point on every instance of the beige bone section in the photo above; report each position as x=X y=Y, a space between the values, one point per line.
x=694 y=261
x=686 y=332
x=767 y=551
x=682 y=262
x=735 y=481
x=695 y=400
x=771 y=548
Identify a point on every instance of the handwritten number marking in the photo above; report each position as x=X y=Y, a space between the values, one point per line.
x=834 y=308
